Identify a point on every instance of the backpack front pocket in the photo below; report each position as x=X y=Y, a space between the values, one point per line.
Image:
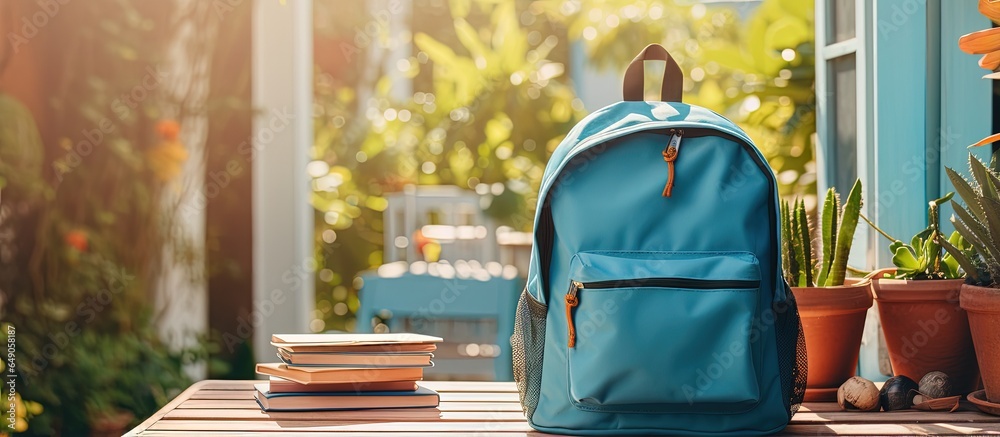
x=662 y=332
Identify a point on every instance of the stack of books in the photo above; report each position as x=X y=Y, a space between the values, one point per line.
x=321 y=372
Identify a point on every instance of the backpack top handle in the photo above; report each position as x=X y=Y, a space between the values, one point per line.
x=673 y=79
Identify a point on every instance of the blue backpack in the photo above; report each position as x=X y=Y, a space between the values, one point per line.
x=655 y=301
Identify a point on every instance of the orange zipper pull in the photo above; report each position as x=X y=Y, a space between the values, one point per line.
x=571 y=302
x=670 y=155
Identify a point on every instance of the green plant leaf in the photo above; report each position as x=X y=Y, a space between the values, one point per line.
x=469 y=38
x=949 y=267
x=971 y=237
x=917 y=244
x=895 y=245
x=976 y=231
x=789 y=261
x=931 y=252
x=935 y=252
x=965 y=191
x=904 y=258
x=829 y=234
x=944 y=199
x=991 y=209
x=804 y=235
x=964 y=261
x=985 y=178
x=845 y=236
x=436 y=51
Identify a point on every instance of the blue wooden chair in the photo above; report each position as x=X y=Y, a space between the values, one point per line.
x=425 y=298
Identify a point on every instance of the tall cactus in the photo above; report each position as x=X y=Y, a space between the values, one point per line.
x=828 y=229
x=837 y=228
x=803 y=230
x=790 y=263
x=845 y=236
x=796 y=244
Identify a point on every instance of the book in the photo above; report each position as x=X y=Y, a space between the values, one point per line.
x=270 y=401
x=334 y=359
x=350 y=340
x=395 y=348
x=313 y=375
x=278 y=385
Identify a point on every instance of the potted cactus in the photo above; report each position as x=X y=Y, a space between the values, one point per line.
x=979 y=223
x=925 y=328
x=833 y=314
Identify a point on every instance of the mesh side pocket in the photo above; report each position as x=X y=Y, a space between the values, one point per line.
x=792 y=359
x=528 y=347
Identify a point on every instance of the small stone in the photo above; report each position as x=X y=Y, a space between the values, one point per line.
x=935 y=385
x=897 y=393
x=858 y=393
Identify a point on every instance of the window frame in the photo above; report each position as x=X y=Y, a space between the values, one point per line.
x=826 y=163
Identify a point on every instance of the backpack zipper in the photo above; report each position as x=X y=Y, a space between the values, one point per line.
x=670 y=153
x=573 y=300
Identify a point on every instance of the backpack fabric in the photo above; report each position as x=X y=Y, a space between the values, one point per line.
x=655 y=301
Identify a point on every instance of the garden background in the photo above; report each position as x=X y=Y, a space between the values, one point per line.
x=108 y=104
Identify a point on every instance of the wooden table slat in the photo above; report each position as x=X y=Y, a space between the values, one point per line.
x=326 y=434
x=439 y=386
x=214 y=408
x=223 y=395
x=384 y=415
x=895 y=417
x=335 y=426
x=353 y=434
x=249 y=404
x=869 y=429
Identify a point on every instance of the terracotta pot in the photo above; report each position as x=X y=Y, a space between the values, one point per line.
x=983 y=306
x=926 y=329
x=833 y=319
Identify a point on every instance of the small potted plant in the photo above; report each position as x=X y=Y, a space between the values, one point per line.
x=979 y=223
x=833 y=314
x=925 y=328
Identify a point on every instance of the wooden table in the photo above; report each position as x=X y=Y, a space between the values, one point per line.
x=228 y=408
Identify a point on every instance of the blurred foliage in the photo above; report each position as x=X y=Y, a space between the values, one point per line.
x=23 y=410
x=752 y=62
x=491 y=98
x=494 y=108
x=87 y=219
